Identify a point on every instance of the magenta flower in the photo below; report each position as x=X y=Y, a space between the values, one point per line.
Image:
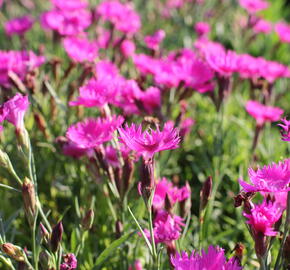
x=15 y=109
x=70 y=4
x=271 y=178
x=106 y=68
x=213 y=259
x=271 y=70
x=127 y=48
x=153 y=41
x=3 y=113
x=174 y=194
x=253 y=6
x=18 y=26
x=285 y=132
x=283 y=31
x=150 y=141
x=202 y=28
x=263 y=217
x=263 y=113
x=263 y=26
x=185 y=126
x=70 y=262
x=80 y=49
x=93 y=131
x=151 y=99
x=73 y=150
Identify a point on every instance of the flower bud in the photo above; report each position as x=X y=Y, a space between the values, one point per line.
x=119 y=228
x=56 y=236
x=44 y=233
x=13 y=251
x=45 y=260
x=5 y=162
x=23 y=139
x=205 y=192
x=29 y=200
x=147 y=179
x=128 y=170
x=88 y=220
x=41 y=124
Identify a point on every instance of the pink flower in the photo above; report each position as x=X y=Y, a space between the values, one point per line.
x=263 y=113
x=3 y=113
x=73 y=150
x=202 y=28
x=15 y=109
x=18 y=26
x=283 y=31
x=174 y=194
x=263 y=26
x=122 y=16
x=185 y=126
x=93 y=131
x=70 y=4
x=153 y=41
x=253 y=6
x=80 y=49
x=128 y=48
x=66 y=23
x=150 y=141
x=151 y=99
x=166 y=227
x=271 y=178
x=263 y=217
x=271 y=70
x=137 y=266
x=70 y=262
x=285 y=132
x=106 y=68
x=213 y=259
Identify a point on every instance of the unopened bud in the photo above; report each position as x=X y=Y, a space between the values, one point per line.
x=205 y=192
x=13 y=251
x=41 y=124
x=128 y=170
x=44 y=233
x=147 y=179
x=56 y=236
x=185 y=205
x=29 y=200
x=46 y=260
x=5 y=161
x=88 y=220
x=168 y=204
x=119 y=228
x=23 y=139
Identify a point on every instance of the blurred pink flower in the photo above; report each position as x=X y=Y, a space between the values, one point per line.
x=263 y=217
x=150 y=141
x=15 y=109
x=202 y=28
x=105 y=68
x=213 y=259
x=137 y=266
x=73 y=150
x=18 y=26
x=70 y=4
x=174 y=194
x=271 y=70
x=80 y=49
x=128 y=48
x=271 y=178
x=263 y=113
x=185 y=126
x=253 y=6
x=69 y=262
x=66 y=23
x=153 y=41
x=151 y=99
x=122 y=16
x=93 y=131
x=283 y=31
x=263 y=26
x=285 y=132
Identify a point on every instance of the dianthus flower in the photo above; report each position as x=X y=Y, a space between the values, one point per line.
x=70 y=4
x=201 y=28
x=283 y=31
x=73 y=150
x=153 y=41
x=263 y=113
x=150 y=141
x=15 y=109
x=165 y=188
x=137 y=266
x=93 y=131
x=127 y=48
x=66 y=23
x=185 y=126
x=3 y=113
x=253 y=6
x=106 y=68
x=213 y=259
x=18 y=26
x=271 y=70
x=263 y=26
x=70 y=262
x=270 y=178
x=285 y=132
x=263 y=217
x=80 y=49
x=151 y=99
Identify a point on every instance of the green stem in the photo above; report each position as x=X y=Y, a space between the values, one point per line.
x=262 y=264
x=43 y=216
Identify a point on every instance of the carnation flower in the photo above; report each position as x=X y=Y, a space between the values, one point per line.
x=18 y=26
x=151 y=99
x=263 y=113
x=93 y=131
x=165 y=188
x=263 y=217
x=3 y=113
x=106 y=68
x=253 y=6
x=80 y=49
x=213 y=259
x=127 y=48
x=70 y=262
x=201 y=28
x=283 y=31
x=73 y=150
x=15 y=109
x=185 y=126
x=150 y=141
x=285 y=132
x=153 y=41
x=263 y=26
x=270 y=178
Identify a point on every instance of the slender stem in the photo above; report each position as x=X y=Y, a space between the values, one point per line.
x=43 y=216
x=152 y=234
x=35 y=250
x=262 y=264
